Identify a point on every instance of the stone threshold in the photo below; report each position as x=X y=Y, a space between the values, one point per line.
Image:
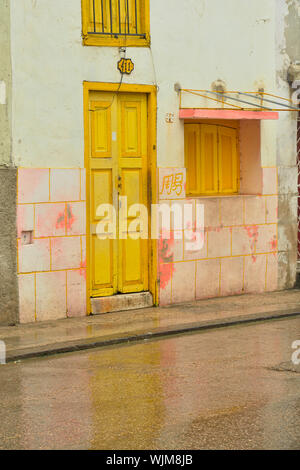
x=121 y=302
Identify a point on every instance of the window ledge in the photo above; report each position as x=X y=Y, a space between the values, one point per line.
x=98 y=40
x=219 y=196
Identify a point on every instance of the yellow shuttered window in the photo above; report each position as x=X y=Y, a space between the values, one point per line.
x=211 y=159
x=115 y=22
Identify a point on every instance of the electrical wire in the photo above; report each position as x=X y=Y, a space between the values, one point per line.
x=125 y=53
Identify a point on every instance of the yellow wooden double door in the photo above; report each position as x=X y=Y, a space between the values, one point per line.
x=117 y=177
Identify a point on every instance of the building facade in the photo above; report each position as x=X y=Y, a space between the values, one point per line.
x=82 y=126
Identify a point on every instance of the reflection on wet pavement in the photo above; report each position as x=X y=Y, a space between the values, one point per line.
x=214 y=389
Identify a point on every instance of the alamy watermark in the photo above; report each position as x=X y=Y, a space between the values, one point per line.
x=296 y=354
x=2 y=352
x=175 y=220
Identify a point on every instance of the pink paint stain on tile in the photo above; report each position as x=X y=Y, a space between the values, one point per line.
x=70 y=217
x=82 y=270
x=46 y=216
x=252 y=232
x=273 y=244
x=61 y=220
x=76 y=218
x=166 y=268
x=165 y=273
x=65 y=218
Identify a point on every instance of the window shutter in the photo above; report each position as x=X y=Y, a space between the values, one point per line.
x=116 y=22
x=96 y=16
x=138 y=15
x=192 y=158
x=129 y=9
x=209 y=159
x=227 y=160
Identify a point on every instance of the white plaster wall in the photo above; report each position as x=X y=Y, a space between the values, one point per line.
x=194 y=42
x=287 y=126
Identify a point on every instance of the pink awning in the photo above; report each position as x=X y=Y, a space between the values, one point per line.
x=198 y=113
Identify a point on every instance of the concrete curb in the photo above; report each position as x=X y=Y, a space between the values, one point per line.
x=99 y=342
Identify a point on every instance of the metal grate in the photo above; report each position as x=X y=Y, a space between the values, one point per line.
x=117 y=18
x=254 y=101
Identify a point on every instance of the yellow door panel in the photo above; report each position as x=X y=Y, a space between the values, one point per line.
x=209 y=159
x=227 y=160
x=102 y=233
x=101 y=186
x=132 y=271
x=133 y=275
x=118 y=166
x=131 y=129
x=102 y=257
x=101 y=129
x=192 y=157
x=132 y=185
x=102 y=174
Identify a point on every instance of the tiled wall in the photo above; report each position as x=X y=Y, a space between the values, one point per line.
x=52 y=267
x=239 y=253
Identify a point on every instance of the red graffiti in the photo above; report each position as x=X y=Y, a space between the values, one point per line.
x=166 y=266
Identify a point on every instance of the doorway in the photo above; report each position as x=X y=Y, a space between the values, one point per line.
x=119 y=176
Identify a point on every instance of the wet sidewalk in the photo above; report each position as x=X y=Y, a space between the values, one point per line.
x=74 y=334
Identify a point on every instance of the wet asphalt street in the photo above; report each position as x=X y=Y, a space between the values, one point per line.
x=232 y=388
